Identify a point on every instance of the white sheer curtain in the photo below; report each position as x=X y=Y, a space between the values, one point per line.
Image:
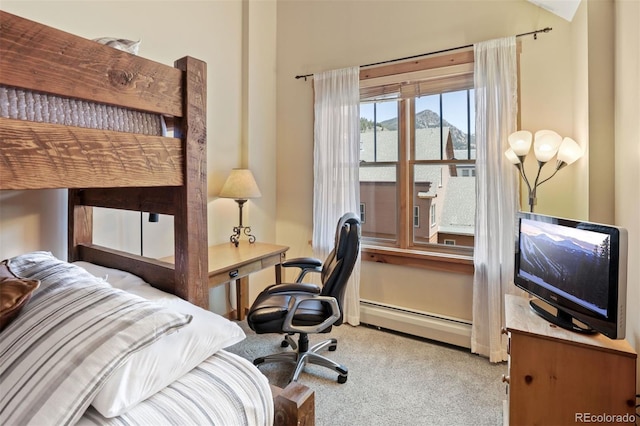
x=496 y=193
x=336 y=162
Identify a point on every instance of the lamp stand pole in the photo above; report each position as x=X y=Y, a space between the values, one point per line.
x=239 y=230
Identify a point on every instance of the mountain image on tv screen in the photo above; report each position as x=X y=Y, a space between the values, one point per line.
x=573 y=261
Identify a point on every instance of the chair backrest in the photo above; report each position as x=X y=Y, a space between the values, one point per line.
x=339 y=264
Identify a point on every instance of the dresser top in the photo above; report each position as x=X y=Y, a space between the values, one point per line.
x=520 y=318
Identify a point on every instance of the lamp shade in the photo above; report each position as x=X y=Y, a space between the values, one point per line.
x=520 y=142
x=240 y=185
x=569 y=151
x=511 y=156
x=546 y=144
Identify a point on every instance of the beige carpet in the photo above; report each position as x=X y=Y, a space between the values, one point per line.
x=393 y=380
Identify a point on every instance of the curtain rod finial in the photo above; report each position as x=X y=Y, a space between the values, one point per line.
x=544 y=30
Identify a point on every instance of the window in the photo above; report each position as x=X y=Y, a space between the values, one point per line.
x=418 y=153
x=432 y=212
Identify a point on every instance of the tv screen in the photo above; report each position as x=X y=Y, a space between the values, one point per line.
x=577 y=267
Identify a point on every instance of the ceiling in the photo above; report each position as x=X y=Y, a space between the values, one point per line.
x=563 y=8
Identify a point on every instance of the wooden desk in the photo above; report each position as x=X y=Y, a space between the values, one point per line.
x=229 y=263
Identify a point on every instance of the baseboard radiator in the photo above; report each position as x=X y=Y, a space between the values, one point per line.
x=423 y=324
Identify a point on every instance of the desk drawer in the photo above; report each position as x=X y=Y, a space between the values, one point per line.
x=247 y=269
x=228 y=275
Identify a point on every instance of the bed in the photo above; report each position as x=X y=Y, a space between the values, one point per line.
x=80 y=115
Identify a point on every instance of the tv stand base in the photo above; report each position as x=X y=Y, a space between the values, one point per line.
x=561 y=318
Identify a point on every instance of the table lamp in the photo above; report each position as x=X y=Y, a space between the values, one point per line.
x=240 y=186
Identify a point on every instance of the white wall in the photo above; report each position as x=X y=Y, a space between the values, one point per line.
x=32 y=220
x=627 y=153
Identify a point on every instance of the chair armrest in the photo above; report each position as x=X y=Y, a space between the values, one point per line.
x=296 y=300
x=302 y=262
x=295 y=287
x=306 y=265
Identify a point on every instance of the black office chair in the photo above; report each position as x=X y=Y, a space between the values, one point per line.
x=305 y=308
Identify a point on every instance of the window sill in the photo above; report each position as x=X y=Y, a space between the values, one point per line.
x=418 y=259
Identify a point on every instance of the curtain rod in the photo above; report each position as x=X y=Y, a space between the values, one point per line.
x=534 y=33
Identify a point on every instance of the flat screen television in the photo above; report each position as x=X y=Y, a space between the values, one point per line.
x=577 y=267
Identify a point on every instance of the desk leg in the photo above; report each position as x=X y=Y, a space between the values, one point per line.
x=278 y=273
x=242 y=296
x=242 y=292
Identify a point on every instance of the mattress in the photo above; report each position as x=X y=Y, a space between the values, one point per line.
x=21 y=104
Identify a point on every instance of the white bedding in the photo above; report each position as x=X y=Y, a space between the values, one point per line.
x=153 y=368
x=223 y=390
x=43 y=384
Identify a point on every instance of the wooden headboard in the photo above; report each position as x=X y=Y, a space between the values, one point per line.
x=106 y=168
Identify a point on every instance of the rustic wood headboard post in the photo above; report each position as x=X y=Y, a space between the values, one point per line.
x=190 y=220
x=80 y=225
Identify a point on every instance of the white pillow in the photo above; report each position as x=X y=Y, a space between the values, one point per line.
x=69 y=339
x=160 y=364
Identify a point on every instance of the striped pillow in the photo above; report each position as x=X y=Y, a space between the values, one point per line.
x=74 y=333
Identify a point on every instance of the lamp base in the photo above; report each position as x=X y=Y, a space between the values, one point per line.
x=238 y=231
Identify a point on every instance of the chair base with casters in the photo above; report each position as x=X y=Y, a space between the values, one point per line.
x=303 y=308
x=305 y=355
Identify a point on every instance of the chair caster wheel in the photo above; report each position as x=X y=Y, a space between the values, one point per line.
x=333 y=347
x=342 y=379
x=258 y=361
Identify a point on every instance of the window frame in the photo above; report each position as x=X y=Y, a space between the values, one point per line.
x=405 y=252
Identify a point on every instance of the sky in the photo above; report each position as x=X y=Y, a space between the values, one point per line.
x=454 y=109
x=555 y=232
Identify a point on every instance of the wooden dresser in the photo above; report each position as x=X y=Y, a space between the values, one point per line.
x=559 y=377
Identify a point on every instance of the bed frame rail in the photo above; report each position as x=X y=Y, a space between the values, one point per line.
x=154 y=200
x=73 y=157
x=152 y=271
